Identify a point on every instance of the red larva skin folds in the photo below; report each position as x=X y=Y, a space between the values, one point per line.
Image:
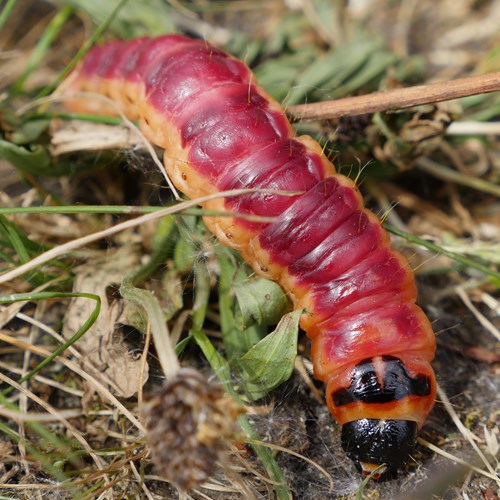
x=222 y=131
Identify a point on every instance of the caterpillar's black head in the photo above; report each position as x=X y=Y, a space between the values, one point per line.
x=370 y=443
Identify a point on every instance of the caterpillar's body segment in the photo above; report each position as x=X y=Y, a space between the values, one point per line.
x=371 y=344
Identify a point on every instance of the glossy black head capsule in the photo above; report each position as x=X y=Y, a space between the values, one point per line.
x=371 y=442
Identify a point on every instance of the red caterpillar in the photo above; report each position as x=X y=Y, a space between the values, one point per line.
x=371 y=344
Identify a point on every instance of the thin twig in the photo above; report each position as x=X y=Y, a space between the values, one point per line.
x=392 y=100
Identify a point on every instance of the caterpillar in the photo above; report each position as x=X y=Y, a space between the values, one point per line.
x=371 y=344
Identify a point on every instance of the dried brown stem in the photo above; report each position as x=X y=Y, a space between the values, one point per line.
x=392 y=100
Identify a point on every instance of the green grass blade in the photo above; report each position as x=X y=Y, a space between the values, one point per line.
x=85 y=48
x=14 y=237
x=7 y=10
x=42 y=47
x=442 y=251
x=103 y=119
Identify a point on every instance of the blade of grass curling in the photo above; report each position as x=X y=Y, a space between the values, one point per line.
x=144 y=298
x=221 y=368
x=42 y=47
x=23 y=297
x=6 y=12
x=440 y=250
x=84 y=49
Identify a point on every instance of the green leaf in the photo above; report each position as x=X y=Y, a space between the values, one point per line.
x=277 y=75
x=34 y=160
x=259 y=301
x=29 y=131
x=332 y=69
x=375 y=66
x=270 y=362
x=137 y=18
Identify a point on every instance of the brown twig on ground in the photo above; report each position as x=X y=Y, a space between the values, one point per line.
x=392 y=100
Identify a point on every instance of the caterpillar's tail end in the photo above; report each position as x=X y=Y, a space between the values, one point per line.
x=371 y=443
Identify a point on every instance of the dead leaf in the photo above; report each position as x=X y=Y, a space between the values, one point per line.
x=103 y=348
x=81 y=136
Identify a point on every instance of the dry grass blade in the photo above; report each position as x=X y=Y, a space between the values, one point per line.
x=8 y=367
x=99 y=386
x=298 y=455
x=54 y=416
x=485 y=322
x=140 y=480
x=458 y=460
x=57 y=415
x=465 y=432
x=80 y=242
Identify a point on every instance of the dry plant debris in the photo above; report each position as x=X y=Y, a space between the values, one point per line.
x=103 y=347
x=189 y=422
